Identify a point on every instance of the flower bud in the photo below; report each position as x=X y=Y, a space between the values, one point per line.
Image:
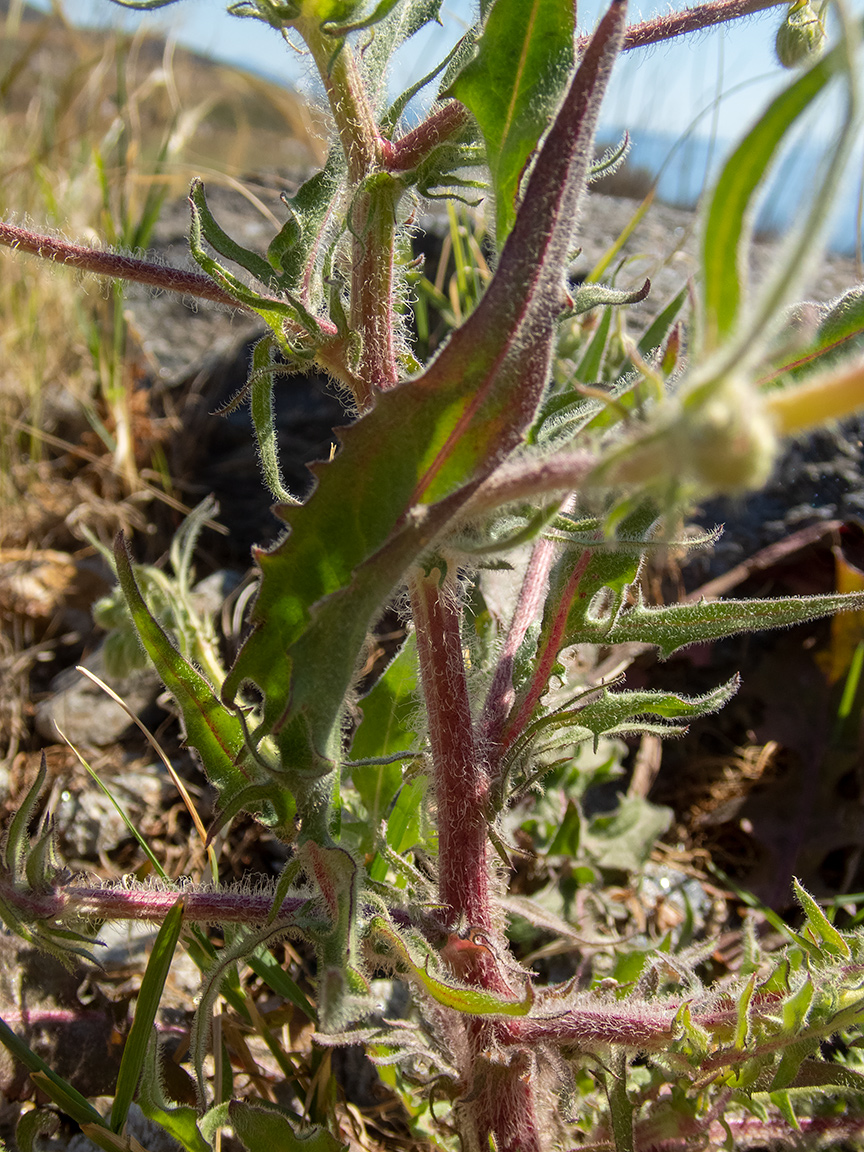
x=801 y=36
x=727 y=443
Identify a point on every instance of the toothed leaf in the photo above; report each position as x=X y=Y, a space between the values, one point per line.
x=373 y=513
x=677 y=625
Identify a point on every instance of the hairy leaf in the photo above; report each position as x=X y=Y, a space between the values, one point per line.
x=678 y=625
x=513 y=86
x=374 y=512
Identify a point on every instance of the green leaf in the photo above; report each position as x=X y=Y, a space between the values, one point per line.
x=725 y=229
x=403 y=827
x=388 y=725
x=17 y=846
x=395 y=24
x=211 y=729
x=613 y=711
x=590 y=296
x=33 y=1125
x=265 y=965
x=797 y=1006
x=566 y=840
x=60 y=1091
x=146 y=1007
x=374 y=513
x=588 y=369
x=471 y=1001
x=261 y=381
x=513 y=86
x=819 y=925
x=261 y=1125
x=297 y=251
x=623 y=840
x=677 y=625
x=181 y=1121
x=222 y=243
x=272 y=311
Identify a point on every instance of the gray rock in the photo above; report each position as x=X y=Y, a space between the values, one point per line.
x=82 y=712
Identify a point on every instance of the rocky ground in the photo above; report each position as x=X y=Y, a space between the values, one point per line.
x=767 y=791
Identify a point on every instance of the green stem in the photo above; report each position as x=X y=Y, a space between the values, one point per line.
x=620 y=1108
x=371 y=214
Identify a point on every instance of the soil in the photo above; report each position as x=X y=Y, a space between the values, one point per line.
x=770 y=789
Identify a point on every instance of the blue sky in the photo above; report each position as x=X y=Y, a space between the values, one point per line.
x=715 y=84
x=662 y=88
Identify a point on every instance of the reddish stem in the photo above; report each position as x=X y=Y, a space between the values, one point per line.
x=415 y=146
x=119 y=267
x=461 y=777
x=501 y=695
x=691 y=20
x=230 y=906
x=543 y=668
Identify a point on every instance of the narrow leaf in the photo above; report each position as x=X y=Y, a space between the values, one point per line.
x=725 y=229
x=819 y=924
x=59 y=1090
x=211 y=729
x=17 y=846
x=595 y=295
x=147 y=1005
x=677 y=625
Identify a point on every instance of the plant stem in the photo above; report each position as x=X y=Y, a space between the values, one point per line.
x=228 y=906
x=120 y=267
x=501 y=695
x=690 y=20
x=546 y=657
x=371 y=213
x=416 y=145
x=461 y=777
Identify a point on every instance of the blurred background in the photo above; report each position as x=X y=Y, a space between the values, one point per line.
x=683 y=108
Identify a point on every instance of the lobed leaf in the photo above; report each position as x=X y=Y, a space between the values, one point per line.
x=373 y=513
x=677 y=625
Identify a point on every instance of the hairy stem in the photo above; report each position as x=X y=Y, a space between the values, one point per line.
x=416 y=145
x=691 y=20
x=372 y=314
x=546 y=658
x=461 y=778
x=371 y=213
x=72 y=902
x=119 y=267
x=501 y=695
